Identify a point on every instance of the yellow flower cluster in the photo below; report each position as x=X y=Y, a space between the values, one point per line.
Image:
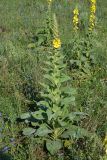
x=56 y=43
x=75 y=19
x=105 y=144
x=93 y=1
x=92 y=15
x=49 y=1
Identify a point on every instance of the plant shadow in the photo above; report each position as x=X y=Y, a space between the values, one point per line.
x=5 y=157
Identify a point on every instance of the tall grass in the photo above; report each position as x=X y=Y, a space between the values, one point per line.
x=21 y=70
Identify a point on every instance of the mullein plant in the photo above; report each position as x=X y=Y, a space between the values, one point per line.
x=75 y=19
x=52 y=120
x=49 y=21
x=92 y=17
x=105 y=146
x=80 y=61
x=43 y=34
x=90 y=37
x=1 y=130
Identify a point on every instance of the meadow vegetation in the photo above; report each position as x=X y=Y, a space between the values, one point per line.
x=53 y=80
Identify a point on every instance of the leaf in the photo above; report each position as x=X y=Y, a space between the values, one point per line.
x=31 y=45
x=75 y=132
x=49 y=114
x=55 y=108
x=43 y=103
x=62 y=123
x=71 y=116
x=53 y=146
x=28 y=131
x=68 y=100
x=47 y=69
x=41 y=40
x=70 y=133
x=64 y=78
x=45 y=86
x=34 y=124
x=49 y=78
x=25 y=116
x=48 y=63
x=68 y=90
x=38 y=115
x=43 y=130
x=47 y=96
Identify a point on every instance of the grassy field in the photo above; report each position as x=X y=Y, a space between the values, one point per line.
x=25 y=44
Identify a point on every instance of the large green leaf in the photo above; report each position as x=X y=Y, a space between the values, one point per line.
x=28 y=131
x=71 y=116
x=38 y=115
x=53 y=146
x=68 y=100
x=70 y=133
x=45 y=86
x=62 y=123
x=31 y=45
x=55 y=108
x=69 y=90
x=43 y=130
x=64 y=78
x=75 y=132
x=43 y=103
x=49 y=114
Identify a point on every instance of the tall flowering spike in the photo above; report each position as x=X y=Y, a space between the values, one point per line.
x=105 y=144
x=49 y=1
x=92 y=15
x=49 y=5
x=56 y=40
x=75 y=19
x=55 y=27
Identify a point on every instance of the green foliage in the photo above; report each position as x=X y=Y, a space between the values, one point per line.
x=81 y=56
x=26 y=33
x=56 y=113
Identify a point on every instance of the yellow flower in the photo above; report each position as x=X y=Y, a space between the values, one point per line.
x=56 y=43
x=49 y=1
x=75 y=11
x=75 y=19
x=105 y=140
x=105 y=144
x=106 y=150
x=92 y=15
x=93 y=8
x=93 y=1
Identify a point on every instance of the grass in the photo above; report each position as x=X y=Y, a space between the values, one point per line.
x=21 y=68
